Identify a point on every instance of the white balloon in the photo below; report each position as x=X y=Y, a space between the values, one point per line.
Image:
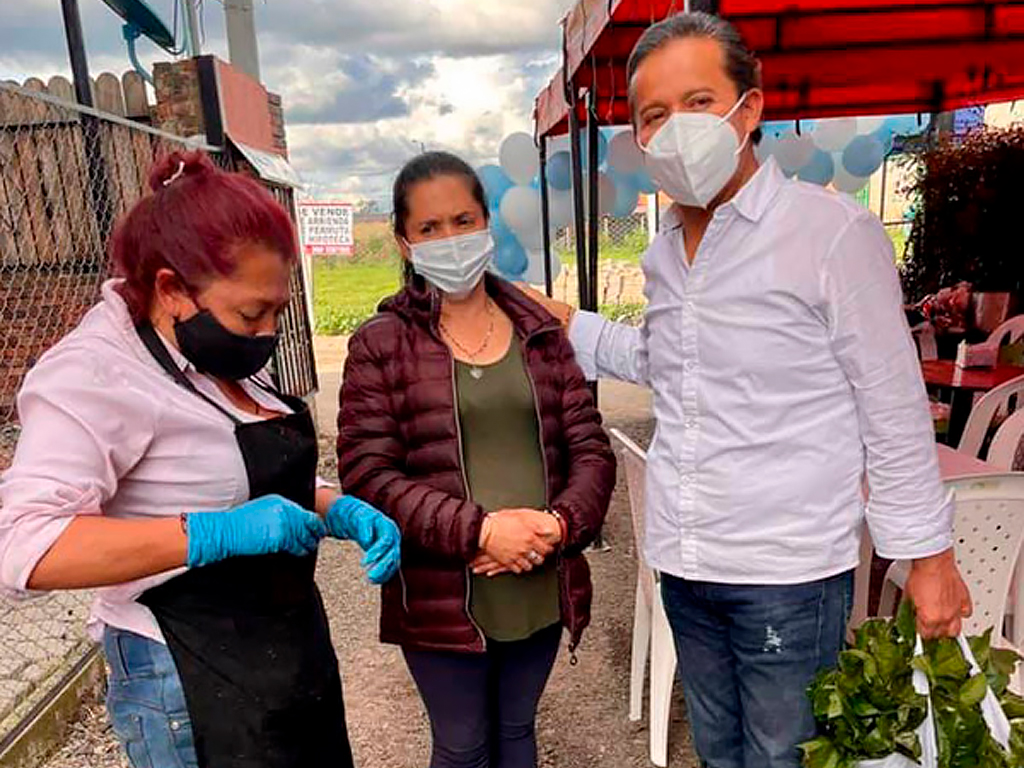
x=833 y=135
x=520 y=208
x=519 y=158
x=869 y=124
x=623 y=153
x=560 y=208
x=793 y=152
x=535 y=271
x=844 y=181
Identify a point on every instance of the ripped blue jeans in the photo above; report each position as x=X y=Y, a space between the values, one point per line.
x=746 y=657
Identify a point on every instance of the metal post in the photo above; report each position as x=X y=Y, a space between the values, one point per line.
x=92 y=140
x=881 y=203
x=193 y=47
x=241 y=28
x=579 y=220
x=594 y=214
x=76 y=51
x=545 y=215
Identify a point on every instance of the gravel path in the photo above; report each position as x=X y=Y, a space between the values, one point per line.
x=582 y=721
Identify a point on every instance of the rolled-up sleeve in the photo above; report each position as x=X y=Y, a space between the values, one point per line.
x=608 y=350
x=81 y=429
x=910 y=512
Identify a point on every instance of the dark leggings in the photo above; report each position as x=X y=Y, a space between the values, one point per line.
x=482 y=707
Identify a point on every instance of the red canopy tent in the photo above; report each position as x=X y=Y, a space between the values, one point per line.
x=822 y=58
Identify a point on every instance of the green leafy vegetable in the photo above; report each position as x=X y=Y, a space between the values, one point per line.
x=866 y=707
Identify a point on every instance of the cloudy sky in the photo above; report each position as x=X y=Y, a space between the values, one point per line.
x=364 y=82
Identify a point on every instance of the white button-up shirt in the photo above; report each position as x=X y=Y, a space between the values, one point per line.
x=782 y=369
x=105 y=431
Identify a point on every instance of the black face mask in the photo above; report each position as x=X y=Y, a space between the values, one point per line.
x=215 y=350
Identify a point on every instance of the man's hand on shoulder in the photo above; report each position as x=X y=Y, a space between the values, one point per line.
x=563 y=312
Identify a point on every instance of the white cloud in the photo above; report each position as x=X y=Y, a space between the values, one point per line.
x=363 y=81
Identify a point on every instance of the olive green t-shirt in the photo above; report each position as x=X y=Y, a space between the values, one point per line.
x=505 y=468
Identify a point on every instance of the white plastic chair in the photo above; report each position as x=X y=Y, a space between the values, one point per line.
x=1006 y=442
x=651 y=630
x=1009 y=332
x=999 y=402
x=988 y=531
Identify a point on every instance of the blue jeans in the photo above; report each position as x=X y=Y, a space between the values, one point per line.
x=483 y=706
x=746 y=657
x=146 y=703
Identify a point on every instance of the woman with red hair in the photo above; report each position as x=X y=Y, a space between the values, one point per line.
x=156 y=467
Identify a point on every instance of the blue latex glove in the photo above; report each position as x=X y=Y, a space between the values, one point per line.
x=379 y=537
x=262 y=526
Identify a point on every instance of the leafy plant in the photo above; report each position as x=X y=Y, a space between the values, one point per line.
x=866 y=708
x=968 y=197
x=629 y=313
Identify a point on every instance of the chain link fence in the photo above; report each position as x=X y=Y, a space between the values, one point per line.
x=621 y=244
x=66 y=175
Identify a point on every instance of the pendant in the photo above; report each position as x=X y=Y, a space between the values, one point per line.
x=476 y=372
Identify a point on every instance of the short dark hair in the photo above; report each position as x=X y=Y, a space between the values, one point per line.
x=424 y=167
x=740 y=62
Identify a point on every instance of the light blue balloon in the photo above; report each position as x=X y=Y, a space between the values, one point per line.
x=560 y=171
x=863 y=156
x=496 y=183
x=776 y=128
x=644 y=183
x=819 y=169
x=500 y=231
x=626 y=194
x=510 y=258
x=885 y=137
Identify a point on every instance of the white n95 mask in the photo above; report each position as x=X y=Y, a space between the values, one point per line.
x=693 y=156
x=454 y=265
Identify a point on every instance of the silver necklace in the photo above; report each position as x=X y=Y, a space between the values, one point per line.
x=475 y=370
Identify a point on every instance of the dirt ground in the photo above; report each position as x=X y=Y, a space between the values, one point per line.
x=582 y=721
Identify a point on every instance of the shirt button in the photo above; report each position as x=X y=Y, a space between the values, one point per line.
x=175 y=725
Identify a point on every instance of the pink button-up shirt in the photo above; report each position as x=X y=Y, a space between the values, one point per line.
x=105 y=431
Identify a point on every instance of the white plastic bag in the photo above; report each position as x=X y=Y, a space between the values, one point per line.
x=995 y=718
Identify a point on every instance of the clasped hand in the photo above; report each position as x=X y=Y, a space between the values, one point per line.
x=516 y=541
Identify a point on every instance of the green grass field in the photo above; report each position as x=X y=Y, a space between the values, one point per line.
x=345 y=294
x=346 y=291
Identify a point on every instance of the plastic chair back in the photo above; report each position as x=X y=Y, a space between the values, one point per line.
x=1001 y=401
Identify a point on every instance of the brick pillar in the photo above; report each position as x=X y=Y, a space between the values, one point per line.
x=277 y=121
x=179 y=107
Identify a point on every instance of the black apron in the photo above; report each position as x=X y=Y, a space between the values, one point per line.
x=249 y=635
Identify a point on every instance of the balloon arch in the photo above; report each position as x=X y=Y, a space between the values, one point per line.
x=842 y=153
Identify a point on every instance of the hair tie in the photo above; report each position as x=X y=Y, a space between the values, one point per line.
x=176 y=175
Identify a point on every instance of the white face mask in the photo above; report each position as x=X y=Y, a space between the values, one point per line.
x=454 y=265
x=693 y=156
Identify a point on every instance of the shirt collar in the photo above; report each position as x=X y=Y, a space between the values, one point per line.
x=121 y=317
x=750 y=202
x=179 y=359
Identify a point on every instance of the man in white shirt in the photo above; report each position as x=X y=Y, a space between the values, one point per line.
x=782 y=369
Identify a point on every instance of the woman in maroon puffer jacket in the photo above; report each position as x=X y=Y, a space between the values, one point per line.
x=465 y=418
